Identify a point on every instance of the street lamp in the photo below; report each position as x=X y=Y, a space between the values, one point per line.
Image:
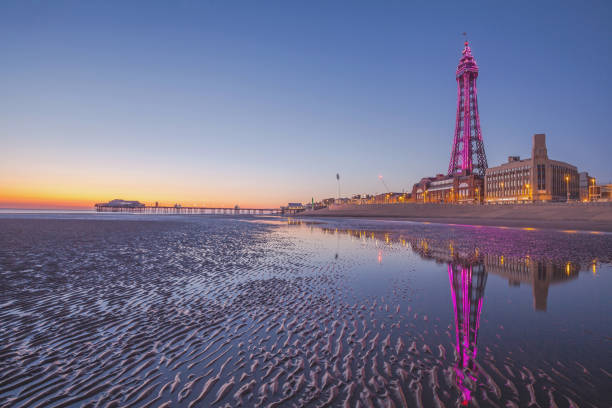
x=592 y=190
x=478 y=194
x=528 y=191
x=567 y=187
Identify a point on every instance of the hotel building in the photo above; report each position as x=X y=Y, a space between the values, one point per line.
x=535 y=179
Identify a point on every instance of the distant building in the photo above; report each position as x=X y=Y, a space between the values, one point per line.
x=595 y=192
x=328 y=201
x=362 y=199
x=293 y=208
x=586 y=184
x=449 y=189
x=121 y=203
x=605 y=192
x=535 y=179
x=390 y=198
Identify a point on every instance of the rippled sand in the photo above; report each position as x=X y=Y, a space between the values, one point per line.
x=220 y=312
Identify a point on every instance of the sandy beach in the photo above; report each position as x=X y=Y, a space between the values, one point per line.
x=560 y=216
x=193 y=311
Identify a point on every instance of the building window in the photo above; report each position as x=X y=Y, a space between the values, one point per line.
x=541 y=177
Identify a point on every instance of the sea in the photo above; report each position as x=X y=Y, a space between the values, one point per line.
x=123 y=310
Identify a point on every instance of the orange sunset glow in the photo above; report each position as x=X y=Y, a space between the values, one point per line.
x=68 y=196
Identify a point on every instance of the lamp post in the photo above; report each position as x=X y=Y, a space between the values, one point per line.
x=528 y=191
x=567 y=187
x=592 y=190
x=478 y=195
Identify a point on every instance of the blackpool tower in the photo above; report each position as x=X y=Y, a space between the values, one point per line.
x=468 y=155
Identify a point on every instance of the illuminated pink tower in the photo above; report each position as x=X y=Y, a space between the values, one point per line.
x=468 y=155
x=467 y=290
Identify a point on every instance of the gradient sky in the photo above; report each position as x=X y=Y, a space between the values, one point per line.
x=261 y=103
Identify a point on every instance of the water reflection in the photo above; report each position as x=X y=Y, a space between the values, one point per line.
x=468 y=271
x=467 y=285
x=467 y=276
x=538 y=273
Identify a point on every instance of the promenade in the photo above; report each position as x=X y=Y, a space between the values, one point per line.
x=563 y=216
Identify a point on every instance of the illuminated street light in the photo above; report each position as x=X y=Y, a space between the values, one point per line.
x=567 y=187
x=528 y=191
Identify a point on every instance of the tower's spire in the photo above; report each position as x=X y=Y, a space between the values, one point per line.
x=466 y=44
x=468 y=154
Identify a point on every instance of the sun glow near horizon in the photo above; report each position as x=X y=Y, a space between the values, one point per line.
x=85 y=197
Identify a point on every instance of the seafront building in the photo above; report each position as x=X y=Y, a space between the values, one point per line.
x=537 y=178
x=586 y=186
x=604 y=192
x=293 y=208
x=449 y=189
x=121 y=203
x=388 y=198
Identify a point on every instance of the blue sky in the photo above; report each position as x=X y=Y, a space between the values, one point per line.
x=263 y=102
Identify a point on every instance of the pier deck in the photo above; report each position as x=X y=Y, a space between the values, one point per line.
x=187 y=210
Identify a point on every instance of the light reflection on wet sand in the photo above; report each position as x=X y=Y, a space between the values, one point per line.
x=211 y=311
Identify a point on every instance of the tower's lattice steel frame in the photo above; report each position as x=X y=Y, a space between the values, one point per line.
x=468 y=155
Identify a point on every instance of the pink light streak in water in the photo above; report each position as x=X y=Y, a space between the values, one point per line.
x=465 y=344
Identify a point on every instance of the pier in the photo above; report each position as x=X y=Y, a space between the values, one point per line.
x=187 y=210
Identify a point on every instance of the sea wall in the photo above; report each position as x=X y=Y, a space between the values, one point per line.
x=575 y=216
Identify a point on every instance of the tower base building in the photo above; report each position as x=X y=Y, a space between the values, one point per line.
x=534 y=179
x=449 y=189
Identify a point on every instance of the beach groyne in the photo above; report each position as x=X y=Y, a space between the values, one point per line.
x=568 y=216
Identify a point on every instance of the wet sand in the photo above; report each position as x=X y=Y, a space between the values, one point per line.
x=559 y=216
x=218 y=312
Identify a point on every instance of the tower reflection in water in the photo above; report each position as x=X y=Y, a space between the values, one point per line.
x=467 y=285
x=467 y=274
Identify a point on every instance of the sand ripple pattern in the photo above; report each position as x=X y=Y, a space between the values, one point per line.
x=220 y=312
